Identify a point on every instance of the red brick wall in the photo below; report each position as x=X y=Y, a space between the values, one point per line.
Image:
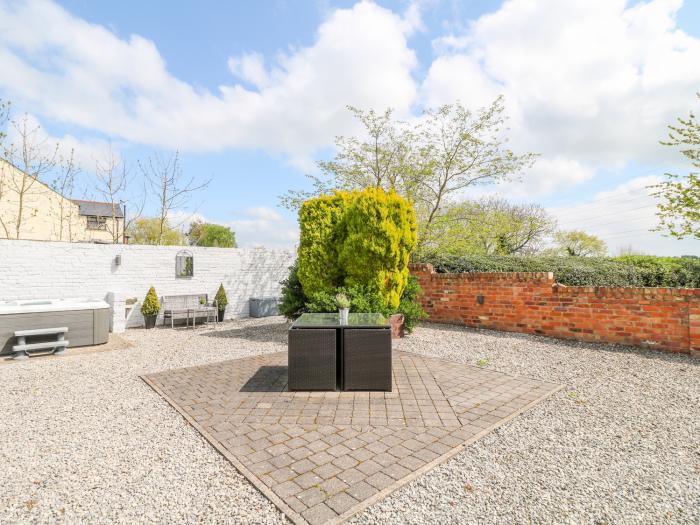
x=662 y=318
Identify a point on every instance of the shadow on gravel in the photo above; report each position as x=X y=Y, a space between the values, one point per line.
x=571 y=344
x=266 y=333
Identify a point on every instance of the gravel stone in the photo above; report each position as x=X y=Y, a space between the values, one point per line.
x=85 y=440
x=619 y=445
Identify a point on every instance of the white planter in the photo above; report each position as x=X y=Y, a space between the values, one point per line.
x=343 y=315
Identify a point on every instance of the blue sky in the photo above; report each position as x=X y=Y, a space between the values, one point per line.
x=253 y=92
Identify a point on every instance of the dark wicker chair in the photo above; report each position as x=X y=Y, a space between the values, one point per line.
x=312 y=359
x=367 y=359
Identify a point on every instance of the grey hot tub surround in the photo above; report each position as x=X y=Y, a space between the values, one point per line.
x=87 y=321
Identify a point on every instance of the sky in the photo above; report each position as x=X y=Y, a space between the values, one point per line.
x=253 y=93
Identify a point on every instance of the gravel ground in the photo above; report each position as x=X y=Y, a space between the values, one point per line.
x=85 y=440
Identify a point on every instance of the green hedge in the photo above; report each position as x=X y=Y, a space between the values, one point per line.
x=633 y=270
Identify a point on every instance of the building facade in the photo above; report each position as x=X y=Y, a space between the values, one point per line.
x=31 y=210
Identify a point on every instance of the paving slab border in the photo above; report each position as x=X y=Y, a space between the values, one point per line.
x=294 y=516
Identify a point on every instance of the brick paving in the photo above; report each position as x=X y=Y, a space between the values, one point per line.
x=324 y=456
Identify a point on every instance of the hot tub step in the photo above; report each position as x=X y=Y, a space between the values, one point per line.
x=40 y=346
x=57 y=346
x=41 y=331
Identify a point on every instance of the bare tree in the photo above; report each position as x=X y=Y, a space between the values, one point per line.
x=172 y=189
x=4 y=119
x=113 y=183
x=28 y=159
x=64 y=185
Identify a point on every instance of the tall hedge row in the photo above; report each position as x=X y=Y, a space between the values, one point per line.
x=644 y=271
x=356 y=238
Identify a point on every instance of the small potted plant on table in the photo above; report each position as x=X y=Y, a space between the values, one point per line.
x=221 y=302
x=343 y=304
x=150 y=308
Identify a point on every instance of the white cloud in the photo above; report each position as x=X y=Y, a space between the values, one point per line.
x=263 y=226
x=83 y=74
x=624 y=217
x=590 y=81
x=251 y=68
x=549 y=175
x=254 y=226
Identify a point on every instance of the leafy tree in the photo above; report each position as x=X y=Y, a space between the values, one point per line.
x=490 y=226
x=679 y=213
x=428 y=163
x=207 y=234
x=151 y=230
x=577 y=243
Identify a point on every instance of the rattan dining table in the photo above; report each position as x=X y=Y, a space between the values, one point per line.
x=325 y=354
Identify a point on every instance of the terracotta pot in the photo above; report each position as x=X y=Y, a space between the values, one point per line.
x=150 y=320
x=397 y=326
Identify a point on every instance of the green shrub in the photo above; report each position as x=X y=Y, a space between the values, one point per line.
x=321 y=302
x=410 y=306
x=318 y=268
x=151 y=305
x=584 y=271
x=220 y=298
x=361 y=298
x=361 y=238
x=293 y=300
x=378 y=236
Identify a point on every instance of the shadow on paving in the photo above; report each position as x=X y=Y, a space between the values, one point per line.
x=267 y=379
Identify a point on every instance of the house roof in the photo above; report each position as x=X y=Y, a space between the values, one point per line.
x=99 y=209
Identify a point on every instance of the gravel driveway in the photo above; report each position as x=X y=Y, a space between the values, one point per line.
x=85 y=440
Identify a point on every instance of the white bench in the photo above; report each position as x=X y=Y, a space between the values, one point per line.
x=58 y=346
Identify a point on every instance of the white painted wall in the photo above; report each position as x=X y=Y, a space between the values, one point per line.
x=39 y=269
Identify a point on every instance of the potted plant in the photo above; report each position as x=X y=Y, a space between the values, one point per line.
x=343 y=304
x=221 y=301
x=150 y=308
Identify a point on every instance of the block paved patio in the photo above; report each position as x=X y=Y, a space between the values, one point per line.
x=321 y=457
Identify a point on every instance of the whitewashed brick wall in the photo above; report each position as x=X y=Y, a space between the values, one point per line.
x=38 y=269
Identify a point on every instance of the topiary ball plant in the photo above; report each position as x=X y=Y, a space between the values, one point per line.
x=150 y=308
x=221 y=299
x=221 y=302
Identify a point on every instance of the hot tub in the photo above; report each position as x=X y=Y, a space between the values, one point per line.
x=87 y=320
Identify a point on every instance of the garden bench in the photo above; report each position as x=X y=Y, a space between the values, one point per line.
x=57 y=346
x=184 y=306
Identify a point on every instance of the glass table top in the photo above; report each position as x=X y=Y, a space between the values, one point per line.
x=355 y=320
